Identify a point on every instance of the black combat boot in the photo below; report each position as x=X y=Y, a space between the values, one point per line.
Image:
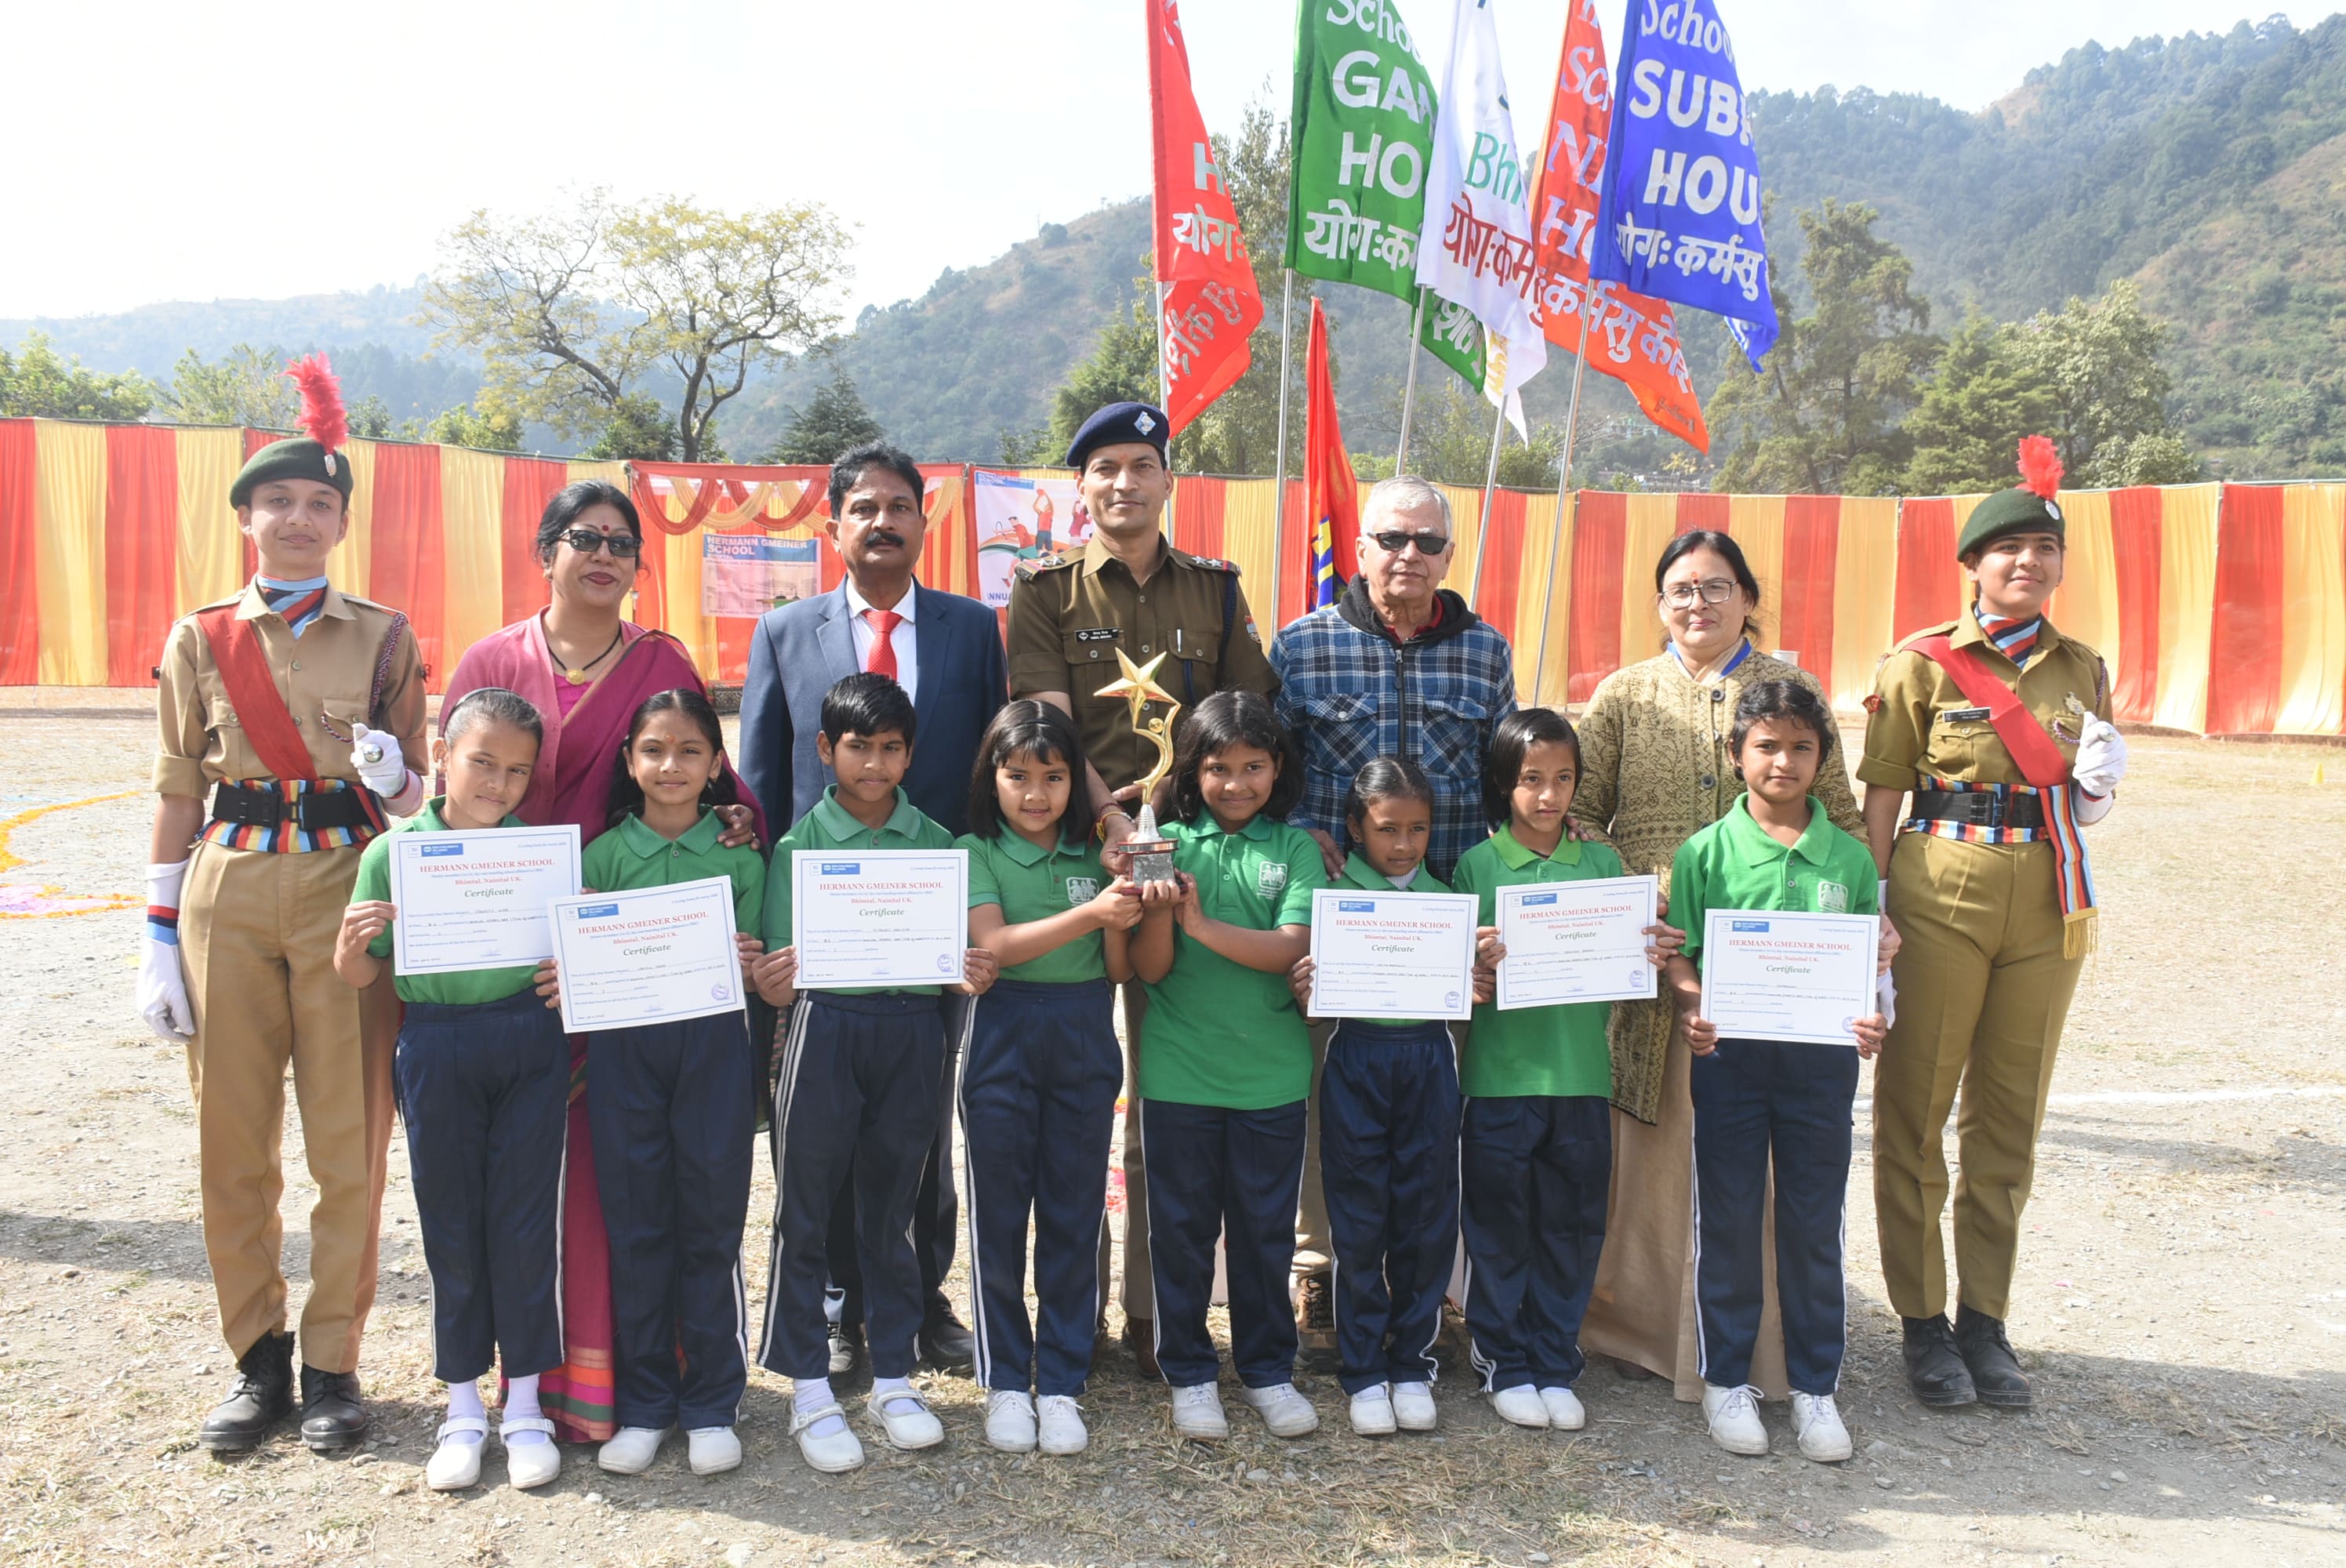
x=1934 y=1368
x=332 y=1417
x=1995 y=1371
x=262 y=1396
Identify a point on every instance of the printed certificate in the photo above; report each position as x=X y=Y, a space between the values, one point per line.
x=651 y=956
x=879 y=917
x=1576 y=942
x=1391 y=956
x=1767 y=974
x=477 y=899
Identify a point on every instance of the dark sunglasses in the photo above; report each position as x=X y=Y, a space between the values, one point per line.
x=585 y=541
x=1427 y=543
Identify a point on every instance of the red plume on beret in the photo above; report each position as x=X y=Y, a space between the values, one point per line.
x=2040 y=466
x=323 y=416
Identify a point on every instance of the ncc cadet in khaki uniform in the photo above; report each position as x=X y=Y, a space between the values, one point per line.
x=1998 y=726
x=1128 y=588
x=294 y=708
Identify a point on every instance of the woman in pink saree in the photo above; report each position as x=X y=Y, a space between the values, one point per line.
x=587 y=670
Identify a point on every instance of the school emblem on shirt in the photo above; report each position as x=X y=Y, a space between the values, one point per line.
x=1832 y=897
x=1082 y=891
x=1271 y=878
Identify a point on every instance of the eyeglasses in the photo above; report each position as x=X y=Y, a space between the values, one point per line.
x=1427 y=543
x=1682 y=596
x=585 y=541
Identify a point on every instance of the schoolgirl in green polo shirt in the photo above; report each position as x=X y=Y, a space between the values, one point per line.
x=1040 y=1077
x=484 y=1079
x=1763 y=1106
x=1535 y=1137
x=1226 y=1061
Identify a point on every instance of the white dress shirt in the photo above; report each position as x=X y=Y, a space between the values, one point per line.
x=902 y=640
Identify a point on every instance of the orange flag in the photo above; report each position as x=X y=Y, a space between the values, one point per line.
x=1627 y=336
x=1331 y=498
x=1206 y=299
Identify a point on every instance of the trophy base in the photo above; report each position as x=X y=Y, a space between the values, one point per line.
x=1152 y=860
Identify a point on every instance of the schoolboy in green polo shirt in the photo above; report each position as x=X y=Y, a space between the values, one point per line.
x=857 y=1096
x=1764 y=1104
x=1535 y=1138
x=484 y=1077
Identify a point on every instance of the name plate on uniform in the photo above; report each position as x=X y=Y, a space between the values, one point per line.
x=477 y=899
x=1774 y=974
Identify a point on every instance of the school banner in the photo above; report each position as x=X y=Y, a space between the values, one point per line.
x=1020 y=518
x=749 y=573
x=1680 y=218
x=1362 y=123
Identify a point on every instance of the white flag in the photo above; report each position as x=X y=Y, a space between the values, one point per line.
x=1478 y=201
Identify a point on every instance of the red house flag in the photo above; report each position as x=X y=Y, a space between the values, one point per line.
x=1207 y=301
x=1331 y=497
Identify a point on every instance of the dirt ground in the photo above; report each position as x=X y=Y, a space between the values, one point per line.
x=2181 y=1300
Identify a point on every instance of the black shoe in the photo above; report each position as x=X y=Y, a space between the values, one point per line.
x=1934 y=1368
x=1995 y=1371
x=1315 y=1323
x=261 y=1397
x=945 y=1342
x=846 y=1347
x=332 y=1417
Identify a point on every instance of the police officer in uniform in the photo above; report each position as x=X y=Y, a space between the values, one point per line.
x=295 y=707
x=1998 y=728
x=1127 y=588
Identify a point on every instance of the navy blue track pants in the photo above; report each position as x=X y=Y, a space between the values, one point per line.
x=1235 y=1174
x=1534 y=1173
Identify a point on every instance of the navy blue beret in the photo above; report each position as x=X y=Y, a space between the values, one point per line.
x=1115 y=424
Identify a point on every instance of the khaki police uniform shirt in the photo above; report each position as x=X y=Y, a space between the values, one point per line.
x=1070 y=613
x=328 y=670
x=1919 y=722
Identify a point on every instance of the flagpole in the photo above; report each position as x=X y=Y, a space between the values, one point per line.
x=1278 y=495
x=1482 y=526
x=1556 y=537
x=1409 y=386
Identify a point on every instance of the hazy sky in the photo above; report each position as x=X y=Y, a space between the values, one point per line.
x=158 y=151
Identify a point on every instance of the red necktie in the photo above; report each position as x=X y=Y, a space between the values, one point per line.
x=883 y=652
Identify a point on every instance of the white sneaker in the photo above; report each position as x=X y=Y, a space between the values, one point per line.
x=712 y=1451
x=529 y=1465
x=1564 y=1411
x=1734 y=1417
x=453 y=1466
x=1414 y=1406
x=1373 y=1411
x=1061 y=1423
x=907 y=1429
x=632 y=1451
x=1198 y=1413
x=833 y=1454
x=1817 y=1423
x=1286 y=1413
x=1521 y=1405
x=1010 y=1421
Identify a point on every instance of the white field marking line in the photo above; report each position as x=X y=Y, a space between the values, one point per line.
x=2179 y=1096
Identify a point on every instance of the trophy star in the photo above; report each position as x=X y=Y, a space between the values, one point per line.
x=1138 y=684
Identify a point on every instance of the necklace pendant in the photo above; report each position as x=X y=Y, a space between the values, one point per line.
x=574 y=676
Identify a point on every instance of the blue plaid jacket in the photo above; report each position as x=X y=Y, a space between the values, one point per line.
x=1351 y=696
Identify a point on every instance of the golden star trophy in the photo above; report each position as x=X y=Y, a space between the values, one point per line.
x=1151 y=851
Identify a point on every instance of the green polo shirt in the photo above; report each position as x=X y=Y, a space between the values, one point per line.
x=462 y=988
x=1556 y=1049
x=1029 y=883
x=1733 y=864
x=1358 y=873
x=631 y=856
x=1218 y=1032
x=828 y=826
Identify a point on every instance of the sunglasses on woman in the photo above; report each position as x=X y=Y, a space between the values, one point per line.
x=585 y=541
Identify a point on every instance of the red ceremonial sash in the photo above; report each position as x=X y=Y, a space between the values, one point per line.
x=259 y=706
x=2041 y=763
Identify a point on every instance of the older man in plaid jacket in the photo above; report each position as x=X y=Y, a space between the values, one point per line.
x=1397 y=667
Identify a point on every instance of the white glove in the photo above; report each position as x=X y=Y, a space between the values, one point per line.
x=162 y=991
x=2101 y=757
x=1885 y=991
x=1882 y=896
x=386 y=774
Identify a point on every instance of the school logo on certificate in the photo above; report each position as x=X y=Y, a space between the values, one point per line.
x=1832 y=897
x=1271 y=880
x=1082 y=891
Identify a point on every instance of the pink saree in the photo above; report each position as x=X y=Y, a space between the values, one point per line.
x=572 y=783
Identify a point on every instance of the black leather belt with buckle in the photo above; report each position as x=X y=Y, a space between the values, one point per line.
x=1979 y=809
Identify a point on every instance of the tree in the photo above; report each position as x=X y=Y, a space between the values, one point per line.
x=1239 y=431
x=1450 y=443
x=2101 y=362
x=1822 y=417
x=481 y=427
x=244 y=386
x=37 y=384
x=638 y=428
x=1122 y=369
x=571 y=311
x=833 y=421
x=1984 y=397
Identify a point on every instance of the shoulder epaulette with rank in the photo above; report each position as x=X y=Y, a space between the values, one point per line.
x=1029 y=568
x=1211 y=563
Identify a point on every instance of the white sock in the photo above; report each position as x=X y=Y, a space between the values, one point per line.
x=464 y=1399
x=521 y=1405
x=812 y=1394
x=888 y=1390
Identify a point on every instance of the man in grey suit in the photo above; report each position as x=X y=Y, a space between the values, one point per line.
x=945 y=650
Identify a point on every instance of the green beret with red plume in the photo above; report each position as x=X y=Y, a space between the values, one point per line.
x=317 y=455
x=2029 y=507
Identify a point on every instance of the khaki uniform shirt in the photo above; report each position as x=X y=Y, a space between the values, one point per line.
x=1921 y=724
x=1070 y=613
x=329 y=670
